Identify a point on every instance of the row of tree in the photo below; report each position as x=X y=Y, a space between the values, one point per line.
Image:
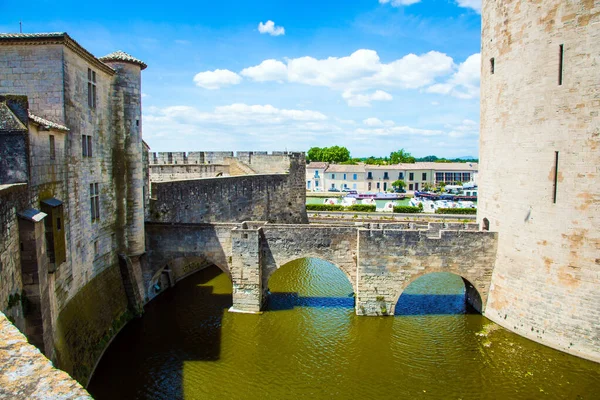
x=341 y=155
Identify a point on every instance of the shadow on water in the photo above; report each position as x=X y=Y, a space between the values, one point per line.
x=433 y=304
x=182 y=324
x=278 y=301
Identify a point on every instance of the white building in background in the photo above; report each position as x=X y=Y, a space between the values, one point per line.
x=379 y=178
x=315 y=176
x=338 y=176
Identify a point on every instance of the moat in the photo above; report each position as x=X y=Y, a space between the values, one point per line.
x=310 y=344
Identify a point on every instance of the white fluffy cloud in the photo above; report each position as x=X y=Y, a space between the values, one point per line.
x=473 y=4
x=378 y=122
x=399 y=3
x=267 y=70
x=357 y=74
x=266 y=127
x=234 y=114
x=464 y=83
x=364 y=100
x=270 y=28
x=216 y=79
x=362 y=77
x=397 y=131
x=466 y=128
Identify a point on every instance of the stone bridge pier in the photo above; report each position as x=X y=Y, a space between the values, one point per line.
x=379 y=260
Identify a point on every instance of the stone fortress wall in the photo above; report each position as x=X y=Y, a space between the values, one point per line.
x=540 y=168
x=267 y=187
x=169 y=166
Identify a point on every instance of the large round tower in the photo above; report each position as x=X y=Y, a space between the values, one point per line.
x=540 y=168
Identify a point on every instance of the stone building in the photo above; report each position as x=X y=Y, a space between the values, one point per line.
x=540 y=168
x=379 y=178
x=71 y=194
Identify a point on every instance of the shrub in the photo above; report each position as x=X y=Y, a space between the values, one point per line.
x=362 y=207
x=463 y=211
x=407 y=209
x=325 y=207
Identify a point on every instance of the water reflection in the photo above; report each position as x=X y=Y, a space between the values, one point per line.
x=313 y=346
x=437 y=293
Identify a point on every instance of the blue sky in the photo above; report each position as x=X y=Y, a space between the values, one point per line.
x=371 y=75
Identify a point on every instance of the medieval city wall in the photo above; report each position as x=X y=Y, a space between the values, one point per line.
x=178 y=172
x=546 y=282
x=274 y=198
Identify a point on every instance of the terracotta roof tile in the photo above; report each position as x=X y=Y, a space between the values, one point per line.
x=47 y=124
x=124 y=57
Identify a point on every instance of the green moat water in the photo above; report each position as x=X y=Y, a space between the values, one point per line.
x=310 y=345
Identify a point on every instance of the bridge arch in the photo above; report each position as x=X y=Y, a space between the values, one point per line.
x=472 y=296
x=178 y=269
x=308 y=282
x=273 y=268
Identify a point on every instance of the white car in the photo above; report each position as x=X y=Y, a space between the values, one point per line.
x=317 y=189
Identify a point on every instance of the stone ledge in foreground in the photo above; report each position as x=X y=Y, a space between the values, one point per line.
x=25 y=373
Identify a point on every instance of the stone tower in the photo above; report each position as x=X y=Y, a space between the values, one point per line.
x=127 y=96
x=540 y=168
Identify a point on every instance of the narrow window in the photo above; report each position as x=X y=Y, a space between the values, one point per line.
x=424 y=176
x=58 y=224
x=94 y=202
x=411 y=176
x=52 y=148
x=94 y=89
x=96 y=247
x=91 y=88
x=555 y=175
x=492 y=65
x=86 y=145
x=486 y=224
x=561 y=51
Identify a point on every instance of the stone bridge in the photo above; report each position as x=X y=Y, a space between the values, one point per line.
x=380 y=260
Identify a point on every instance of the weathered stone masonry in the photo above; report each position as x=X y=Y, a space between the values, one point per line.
x=378 y=261
x=546 y=283
x=275 y=197
x=66 y=275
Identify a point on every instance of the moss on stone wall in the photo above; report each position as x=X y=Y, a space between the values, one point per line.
x=88 y=322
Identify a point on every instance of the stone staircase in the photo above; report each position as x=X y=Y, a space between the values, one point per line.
x=238 y=168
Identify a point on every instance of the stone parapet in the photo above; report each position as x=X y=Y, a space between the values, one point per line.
x=26 y=374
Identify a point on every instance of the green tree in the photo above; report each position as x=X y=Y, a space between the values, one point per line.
x=336 y=154
x=401 y=156
x=400 y=184
x=333 y=154
x=315 y=154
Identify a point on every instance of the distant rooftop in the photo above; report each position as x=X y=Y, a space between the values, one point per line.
x=124 y=57
x=317 y=165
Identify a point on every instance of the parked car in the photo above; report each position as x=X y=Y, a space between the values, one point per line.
x=317 y=189
x=334 y=190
